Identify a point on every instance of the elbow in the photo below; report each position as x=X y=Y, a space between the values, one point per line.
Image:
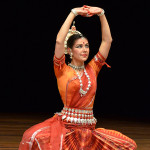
x=59 y=42
x=59 y=39
x=108 y=40
x=111 y=40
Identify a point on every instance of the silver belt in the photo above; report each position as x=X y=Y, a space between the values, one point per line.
x=78 y=116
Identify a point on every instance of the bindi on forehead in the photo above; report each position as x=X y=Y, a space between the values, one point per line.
x=82 y=41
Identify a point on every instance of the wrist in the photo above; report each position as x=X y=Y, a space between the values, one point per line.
x=102 y=13
x=74 y=12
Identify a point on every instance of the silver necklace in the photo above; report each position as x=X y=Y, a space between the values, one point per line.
x=76 y=67
x=82 y=92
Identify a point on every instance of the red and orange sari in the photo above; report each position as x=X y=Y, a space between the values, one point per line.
x=74 y=127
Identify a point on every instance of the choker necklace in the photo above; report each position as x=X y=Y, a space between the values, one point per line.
x=82 y=92
x=76 y=67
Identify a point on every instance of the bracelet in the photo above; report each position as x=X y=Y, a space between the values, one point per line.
x=101 y=14
x=74 y=12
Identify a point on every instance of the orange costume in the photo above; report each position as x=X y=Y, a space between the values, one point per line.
x=74 y=127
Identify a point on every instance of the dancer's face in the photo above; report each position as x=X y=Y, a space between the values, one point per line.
x=80 y=50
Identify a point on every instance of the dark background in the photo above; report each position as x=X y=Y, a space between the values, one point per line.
x=28 y=82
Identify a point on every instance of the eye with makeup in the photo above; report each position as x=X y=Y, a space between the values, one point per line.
x=87 y=45
x=81 y=45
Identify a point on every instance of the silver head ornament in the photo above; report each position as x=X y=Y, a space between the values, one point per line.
x=71 y=32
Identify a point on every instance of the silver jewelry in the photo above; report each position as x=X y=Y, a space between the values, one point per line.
x=79 y=116
x=74 y=12
x=82 y=92
x=76 y=67
x=102 y=13
x=71 y=32
x=71 y=54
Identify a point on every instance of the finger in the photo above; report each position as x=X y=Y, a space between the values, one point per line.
x=86 y=6
x=83 y=7
x=87 y=10
x=85 y=15
x=88 y=15
x=91 y=15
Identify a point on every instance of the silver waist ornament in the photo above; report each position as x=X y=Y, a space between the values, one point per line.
x=78 y=116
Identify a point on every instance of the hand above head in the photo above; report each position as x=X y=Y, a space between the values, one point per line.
x=93 y=10
x=83 y=11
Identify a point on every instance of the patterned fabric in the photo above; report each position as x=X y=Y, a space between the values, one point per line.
x=58 y=133
x=96 y=139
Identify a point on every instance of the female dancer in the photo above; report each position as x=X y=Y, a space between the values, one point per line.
x=74 y=127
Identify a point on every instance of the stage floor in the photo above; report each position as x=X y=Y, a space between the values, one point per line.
x=12 y=126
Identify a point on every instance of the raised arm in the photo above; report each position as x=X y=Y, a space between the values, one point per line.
x=106 y=37
x=59 y=47
x=106 y=34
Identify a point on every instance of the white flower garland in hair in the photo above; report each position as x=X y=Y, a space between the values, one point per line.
x=70 y=33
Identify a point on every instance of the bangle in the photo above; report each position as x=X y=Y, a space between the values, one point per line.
x=74 y=12
x=101 y=14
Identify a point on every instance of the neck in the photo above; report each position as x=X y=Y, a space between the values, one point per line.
x=78 y=64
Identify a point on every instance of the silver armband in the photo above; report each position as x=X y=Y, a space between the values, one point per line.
x=102 y=13
x=74 y=12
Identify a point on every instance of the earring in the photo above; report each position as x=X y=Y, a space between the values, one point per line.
x=71 y=54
